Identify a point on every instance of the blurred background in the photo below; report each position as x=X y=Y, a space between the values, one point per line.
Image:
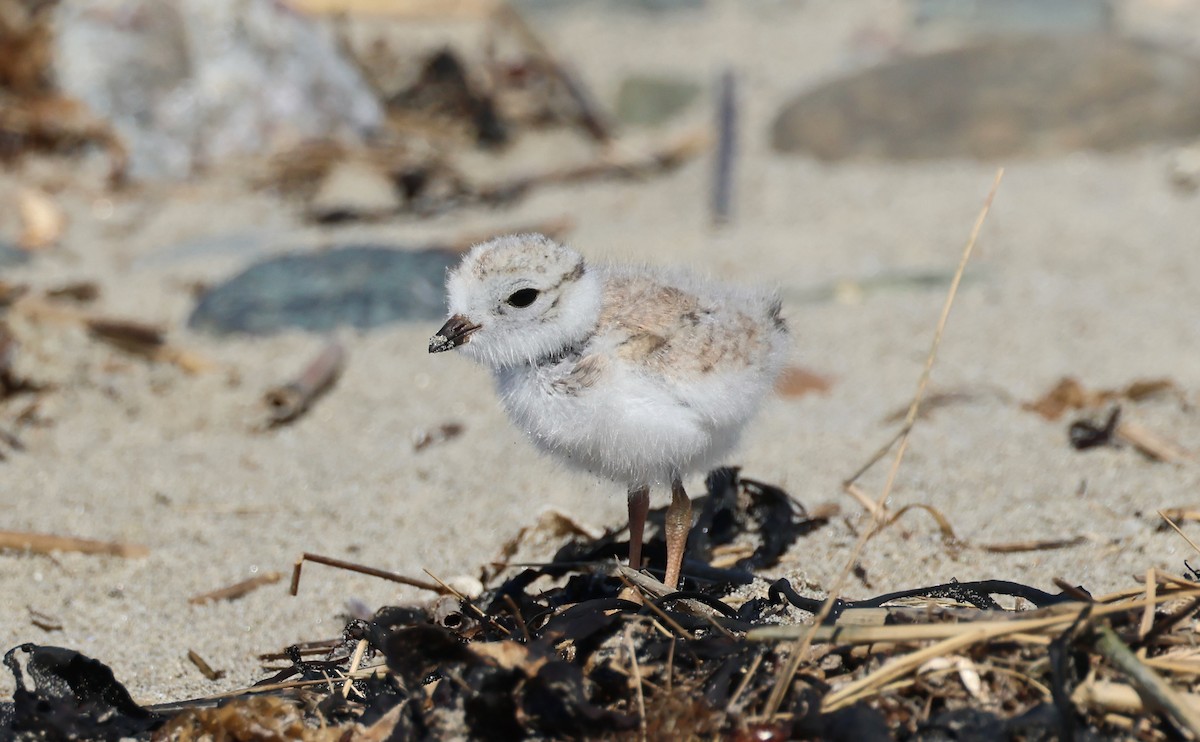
x=225 y=224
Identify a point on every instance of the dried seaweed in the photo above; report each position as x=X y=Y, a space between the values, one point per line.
x=581 y=647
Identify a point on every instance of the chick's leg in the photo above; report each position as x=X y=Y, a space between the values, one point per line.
x=678 y=523
x=639 y=506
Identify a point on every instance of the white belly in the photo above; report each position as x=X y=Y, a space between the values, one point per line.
x=629 y=427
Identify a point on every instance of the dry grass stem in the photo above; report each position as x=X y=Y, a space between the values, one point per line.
x=1148 y=683
x=1179 y=530
x=440 y=589
x=355 y=660
x=45 y=543
x=636 y=678
x=784 y=681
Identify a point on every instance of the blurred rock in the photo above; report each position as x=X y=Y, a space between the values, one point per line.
x=11 y=256
x=362 y=287
x=988 y=17
x=1000 y=98
x=353 y=189
x=189 y=82
x=1184 y=173
x=650 y=101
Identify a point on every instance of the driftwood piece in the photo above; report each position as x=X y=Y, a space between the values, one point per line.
x=237 y=590
x=205 y=669
x=289 y=401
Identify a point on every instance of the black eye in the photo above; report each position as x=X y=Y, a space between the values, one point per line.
x=523 y=298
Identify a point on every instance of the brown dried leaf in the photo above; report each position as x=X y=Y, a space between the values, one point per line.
x=1068 y=394
x=510 y=655
x=1144 y=388
x=798 y=382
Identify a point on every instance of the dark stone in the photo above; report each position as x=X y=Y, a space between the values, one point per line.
x=363 y=287
x=998 y=99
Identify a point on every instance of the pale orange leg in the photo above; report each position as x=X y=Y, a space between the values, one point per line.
x=639 y=506
x=678 y=523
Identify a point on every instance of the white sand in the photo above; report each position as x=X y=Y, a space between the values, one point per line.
x=1088 y=266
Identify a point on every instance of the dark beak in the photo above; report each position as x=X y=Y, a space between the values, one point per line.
x=454 y=333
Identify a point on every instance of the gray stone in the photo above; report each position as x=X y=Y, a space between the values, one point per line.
x=186 y=83
x=358 y=286
x=1014 y=16
x=650 y=101
x=1000 y=98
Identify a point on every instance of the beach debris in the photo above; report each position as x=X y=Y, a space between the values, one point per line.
x=205 y=669
x=1153 y=445
x=1085 y=434
x=1180 y=515
x=43 y=621
x=361 y=287
x=632 y=164
x=586 y=646
x=354 y=190
x=258 y=717
x=287 y=402
x=82 y=292
x=42 y=220
x=587 y=111
x=147 y=341
x=10 y=382
x=34 y=116
x=721 y=205
x=653 y=100
x=1070 y=394
x=62 y=694
x=45 y=543
x=1000 y=98
x=796 y=381
x=442 y=92
x=1018 y=547
x=440 y=589
x=443 y=433
x=238 y=589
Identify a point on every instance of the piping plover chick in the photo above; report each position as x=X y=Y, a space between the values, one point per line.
x=636 y=374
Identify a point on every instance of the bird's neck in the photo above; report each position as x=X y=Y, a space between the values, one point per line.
x=570 y=350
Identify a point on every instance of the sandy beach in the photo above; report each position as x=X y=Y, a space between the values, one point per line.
x=1087 y=267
